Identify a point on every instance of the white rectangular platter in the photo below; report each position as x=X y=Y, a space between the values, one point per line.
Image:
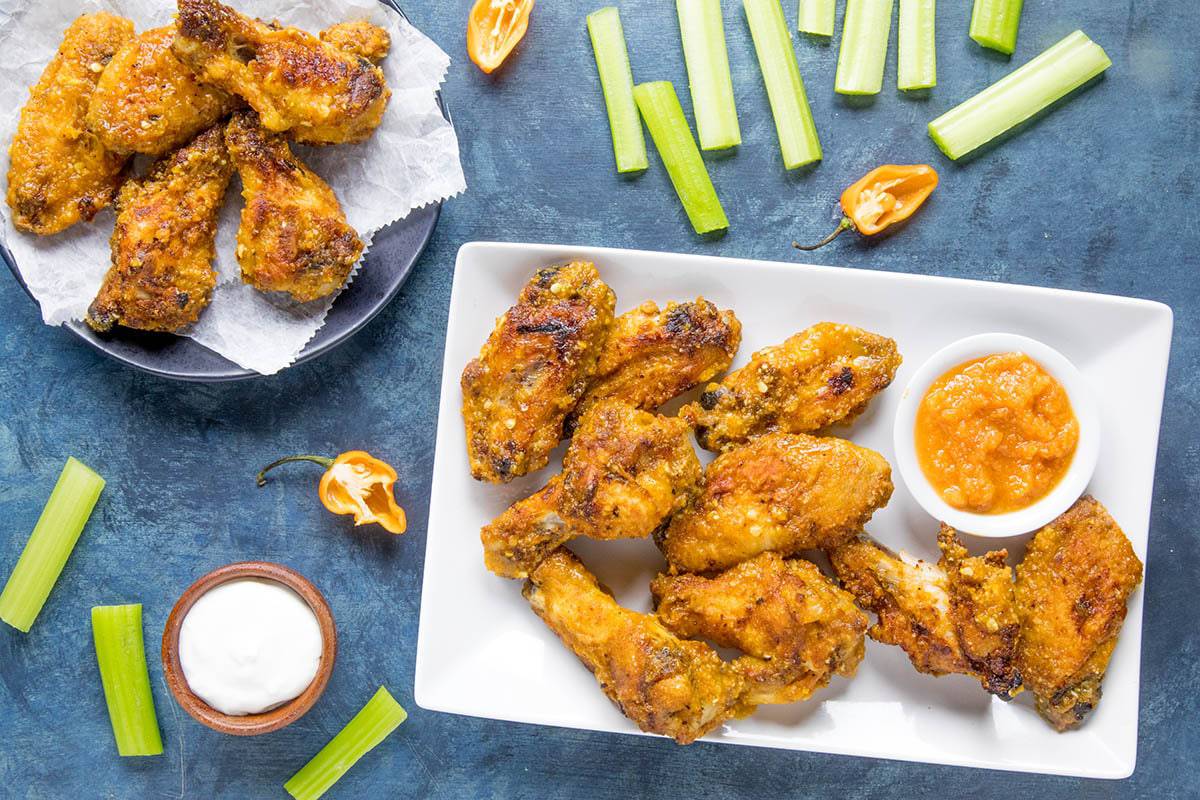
x=482 y=652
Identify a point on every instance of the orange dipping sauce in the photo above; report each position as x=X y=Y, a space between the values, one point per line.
x=995 y=434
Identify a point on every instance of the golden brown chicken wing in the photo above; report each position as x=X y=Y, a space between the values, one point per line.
x=359 y=38
x=1072 y=586
x=317 y=92
x=162 y=247
x=59 y=171
x=293 y=236
x=533 y=369
x=822 y=375
x=781 y=492
x=664 y=684
x=797 y=628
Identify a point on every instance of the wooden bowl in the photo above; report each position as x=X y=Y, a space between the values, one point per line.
x=276 y=718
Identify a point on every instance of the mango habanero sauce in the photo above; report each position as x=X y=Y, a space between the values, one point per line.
x=995 y=434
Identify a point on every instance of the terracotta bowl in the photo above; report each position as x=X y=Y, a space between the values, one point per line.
x=276 y=718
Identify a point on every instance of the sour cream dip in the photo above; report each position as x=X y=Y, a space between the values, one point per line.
x=248 y=645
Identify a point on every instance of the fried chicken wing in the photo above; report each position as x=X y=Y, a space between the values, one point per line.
x=821 y=375
x=162 y=246
x=796 y=627
x=781 y=492
x=1072 y=587
x=293 y=236
x=533 y=369
x=666 y=685
x=316 y=91
x=60 y=172
x=359 y=38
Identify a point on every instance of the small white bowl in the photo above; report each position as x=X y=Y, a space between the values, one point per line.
x=1068 y=490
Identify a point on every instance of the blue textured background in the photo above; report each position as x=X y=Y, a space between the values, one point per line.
x=1100 y=195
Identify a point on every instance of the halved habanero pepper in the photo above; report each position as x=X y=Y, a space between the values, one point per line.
x=885 y=195
x=493 y=29
x=355 y=483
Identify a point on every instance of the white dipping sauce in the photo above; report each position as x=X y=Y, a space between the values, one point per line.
x=247 y=646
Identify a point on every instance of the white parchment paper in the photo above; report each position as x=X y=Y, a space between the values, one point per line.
x=410 y=161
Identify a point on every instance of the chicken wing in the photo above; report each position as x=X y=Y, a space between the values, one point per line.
x=796 y=627
x=533 y=369
x=59 y=171
x=781 y=492
x=317 y=92
x=653 y=355
x=666 y=685
x=626 y=472
x=162 y=246
x=1072 y=586
x=821 y=375
x=359 y=38
x=293 y=236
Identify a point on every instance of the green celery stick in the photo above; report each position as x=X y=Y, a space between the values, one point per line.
x=798 y=141
x=865 y=31
x=1018 y=96
x=370 y=726
x=616 y=79
x=817 y=17
x=673 y=139
x=917 y=51
x=117 y=631
x=994 y=24
x=52 y=540
x=703 y=34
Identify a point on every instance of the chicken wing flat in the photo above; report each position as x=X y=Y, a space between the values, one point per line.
x=665 y=684
x=59 y=171
x=821 y=375
x=317 y=92
x=1072 y=586
x=797 y=628
x=293 y=236
x=533 y=369
x=655 y=354
x=162 y=246
x=359 y=38
x=626 y=472
x=781 y=492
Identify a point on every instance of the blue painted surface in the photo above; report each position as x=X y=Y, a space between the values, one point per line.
x=1098 y=196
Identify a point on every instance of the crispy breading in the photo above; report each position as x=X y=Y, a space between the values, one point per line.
x=359 y=38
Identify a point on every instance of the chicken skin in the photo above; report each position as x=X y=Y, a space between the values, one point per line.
x=625 y=473
x=796 y=627
x=821 y=375
x=533 y=369
x=359 y=38
x=1072 y=587
x=293 y=235
x=781 y=492
x=665 y=684
x=653 y=355
x=162 y=246
x=59 y=171
x=958 y=616
x=316 y=91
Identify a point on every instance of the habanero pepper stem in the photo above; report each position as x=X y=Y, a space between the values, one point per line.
x=883 y=197
x=355 y=483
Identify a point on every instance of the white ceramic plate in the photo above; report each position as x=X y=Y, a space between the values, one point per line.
x=482 y=652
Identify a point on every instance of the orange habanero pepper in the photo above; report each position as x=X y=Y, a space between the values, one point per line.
x=355 y=483
x=886 y=195
x=493 y=29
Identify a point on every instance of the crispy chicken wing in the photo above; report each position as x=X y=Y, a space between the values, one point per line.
x=821 y=375
x=359 y=38
x=533 y=369
x=59 y=171
x=796 y=627
x=317 y=92
x=162 y=246
x=1072 y=586
x=666 y=685
x=782 y=492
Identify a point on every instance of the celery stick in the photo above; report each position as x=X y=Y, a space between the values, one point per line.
x=994 y=24
x=703 y=34
x=117 y=631
x=917 y=52
x=798 y=139
x=817 y=16
x=52 y=540
x=616 y=80
x=1018 y=96
x=370 y=726
x=865 y=31
x=673 y=139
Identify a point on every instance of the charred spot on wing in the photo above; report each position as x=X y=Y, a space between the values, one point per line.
x=842 y=382
x=681 y=319
x=181 y=299
x=710 y=398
